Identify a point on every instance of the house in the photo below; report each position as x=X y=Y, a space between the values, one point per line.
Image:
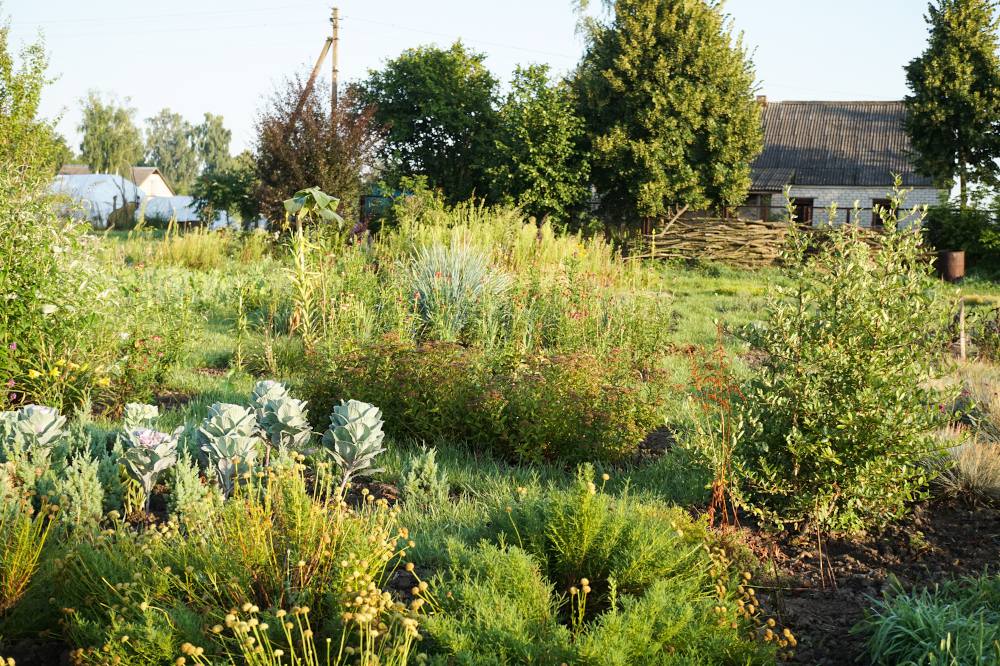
x=100 y=198
x=148 y=178
x=843 y=153
x=152 y=181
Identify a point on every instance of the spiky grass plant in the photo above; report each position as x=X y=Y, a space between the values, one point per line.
x=955 y=623
x=450 y=284
x=23 y=533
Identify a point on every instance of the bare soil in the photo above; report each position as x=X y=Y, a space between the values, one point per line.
x=939 y=541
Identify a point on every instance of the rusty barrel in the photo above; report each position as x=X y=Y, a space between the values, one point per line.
x=951 y=265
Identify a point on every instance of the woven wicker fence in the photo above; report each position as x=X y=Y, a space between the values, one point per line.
x=743 y=243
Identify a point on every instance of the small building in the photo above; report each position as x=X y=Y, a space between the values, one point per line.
x=152 y=181
x=102 y=199
x=843 y=153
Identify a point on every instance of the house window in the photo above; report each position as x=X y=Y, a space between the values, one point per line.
x=877 y=205
x=758 y=206
x=803 y=211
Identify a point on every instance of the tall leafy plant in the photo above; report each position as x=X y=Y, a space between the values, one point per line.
x=839 y=417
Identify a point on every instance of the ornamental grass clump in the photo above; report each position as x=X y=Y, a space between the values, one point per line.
x=839 y=417
x=450 y=285
x=354 y=439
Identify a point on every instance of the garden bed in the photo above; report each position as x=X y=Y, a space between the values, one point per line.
x=938 y=542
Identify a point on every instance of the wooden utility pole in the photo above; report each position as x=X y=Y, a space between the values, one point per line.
x=335 y=20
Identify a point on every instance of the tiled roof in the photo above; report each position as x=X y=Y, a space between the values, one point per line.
x=849 y=144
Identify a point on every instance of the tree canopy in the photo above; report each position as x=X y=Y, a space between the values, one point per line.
x=212 y=140
x=437 y=107
x=667 y=92
x=538 y=162
x=953 y=109
x=303 y=146
x=111 y=141
x=170 y=146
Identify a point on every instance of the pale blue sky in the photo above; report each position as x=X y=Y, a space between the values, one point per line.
x=226 y=56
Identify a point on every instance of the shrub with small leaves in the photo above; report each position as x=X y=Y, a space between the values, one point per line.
x=80 y=494
x=193 y=502
x=423 y=482
x=354 y=438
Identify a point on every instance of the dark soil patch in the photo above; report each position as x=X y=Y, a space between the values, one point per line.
x=167 y=400
x=37 y=652
x=939 y=541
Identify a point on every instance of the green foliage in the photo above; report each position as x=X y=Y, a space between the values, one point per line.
x=952 y=624
x=840 y=414
x=667 y=93
x=229 y=188
x=138 y=416
x=538 y=163
x=437 y=106
x=579 y=576
x=282 y=418
x=212 y=139
x=450 y=286
x=111 y=141
x=970 y=230
x=193 y=503
x=354 y=439
x=23 y=533
x=954 y=101
x=423 y=482
x=570 y=408
x=79 y=494
x=171 y=146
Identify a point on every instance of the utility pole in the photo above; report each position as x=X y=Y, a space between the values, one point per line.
x=335 y=20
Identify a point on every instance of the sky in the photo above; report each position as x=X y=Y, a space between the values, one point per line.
x=227 y=56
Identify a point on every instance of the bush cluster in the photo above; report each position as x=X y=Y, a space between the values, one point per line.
x=568 y=408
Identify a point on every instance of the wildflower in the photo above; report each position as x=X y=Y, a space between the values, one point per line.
x=12 y=346
x=34 y=374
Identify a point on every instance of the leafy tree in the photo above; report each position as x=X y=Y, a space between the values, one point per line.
x=212 y=140
x=839 y=419
x=170 y=145
x=231 y=189
x=668 y=96
x=538 y=163
x=953 y=110
x=437 y=107
x=45 y=273
x=301 y=145
x=111 y=141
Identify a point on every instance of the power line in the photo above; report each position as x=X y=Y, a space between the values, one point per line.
x=452 y=36
x=155 y=17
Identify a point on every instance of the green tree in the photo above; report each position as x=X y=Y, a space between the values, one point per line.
x=231 y=189
x=667 y=91
x=538 y=163
x=953 y=109
x=212 y=140
x=437 y=106
x=111 y=141
x=170 y=146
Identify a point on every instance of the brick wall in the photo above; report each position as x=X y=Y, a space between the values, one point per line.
x=846 y=197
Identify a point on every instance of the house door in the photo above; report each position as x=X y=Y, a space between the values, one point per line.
x=804 y=211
